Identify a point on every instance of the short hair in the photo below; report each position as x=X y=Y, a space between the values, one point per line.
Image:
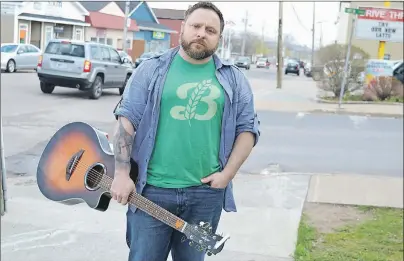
x=208 y=6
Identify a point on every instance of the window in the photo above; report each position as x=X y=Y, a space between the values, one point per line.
x=68 y=49
x=32 y=49
x=93 y=39
x=105 y=54
x=95 y=52
x=114 y=56
x=101 y=40
x=109 y=41
x=9 y=48
x=23 y=33
x=78 y=34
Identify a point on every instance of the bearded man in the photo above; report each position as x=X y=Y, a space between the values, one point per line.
x=188 y=121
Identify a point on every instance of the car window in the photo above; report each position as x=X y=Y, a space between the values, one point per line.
x=114 y=56
x=66 y=48
x=9 y=48
x=106 y=56
x=95 y=52
x=23 y=49
x=32 y=49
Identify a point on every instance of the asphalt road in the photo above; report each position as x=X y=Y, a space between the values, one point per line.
x=320 y=143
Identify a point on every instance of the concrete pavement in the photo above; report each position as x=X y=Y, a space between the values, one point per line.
x=263 y=229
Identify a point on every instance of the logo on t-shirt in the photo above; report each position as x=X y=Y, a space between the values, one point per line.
x=203 y=92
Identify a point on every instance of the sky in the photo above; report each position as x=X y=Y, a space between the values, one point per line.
x=266 y=13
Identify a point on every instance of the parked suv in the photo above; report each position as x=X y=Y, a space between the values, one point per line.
x=87 y=66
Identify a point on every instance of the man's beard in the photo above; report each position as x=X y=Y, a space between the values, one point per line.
x=195 y=53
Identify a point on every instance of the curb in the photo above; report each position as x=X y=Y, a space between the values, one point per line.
x=319 y=100
x=367 y=114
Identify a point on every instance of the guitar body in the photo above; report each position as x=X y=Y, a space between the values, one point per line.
x=67 y=166
x=78 y=165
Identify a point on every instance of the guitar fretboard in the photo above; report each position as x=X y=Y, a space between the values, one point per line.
x=148 y=206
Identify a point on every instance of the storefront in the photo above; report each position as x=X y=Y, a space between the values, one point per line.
x=39 y=22
x=152 y=36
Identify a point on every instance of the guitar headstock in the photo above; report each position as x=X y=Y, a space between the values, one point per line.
x=202 y=238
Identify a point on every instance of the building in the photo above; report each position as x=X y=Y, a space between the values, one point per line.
x=107 y=22
x=39 y=22
x=152 y=36
x=393 y=50
x=172 y=19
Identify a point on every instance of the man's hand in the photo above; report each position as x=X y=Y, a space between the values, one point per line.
x=217 y=180
x=121 y=187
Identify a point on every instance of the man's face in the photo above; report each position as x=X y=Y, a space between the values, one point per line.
x=200 y=34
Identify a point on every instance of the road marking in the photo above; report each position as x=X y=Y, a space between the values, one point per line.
x=300 y=115
x=358 y=120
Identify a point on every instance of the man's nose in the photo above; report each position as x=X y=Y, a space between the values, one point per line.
x=201 y=33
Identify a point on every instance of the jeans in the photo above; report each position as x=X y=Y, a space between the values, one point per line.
x=151 y=240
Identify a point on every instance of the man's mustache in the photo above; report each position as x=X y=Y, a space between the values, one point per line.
x=202 y=42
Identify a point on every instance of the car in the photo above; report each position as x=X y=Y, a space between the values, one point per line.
x=398 y=71
x=292 y=67
x=123 y=54
x=243 y=62
x=263 y=63
x=307 y=69
x=143 y=57
x=86 y=66
x=19 y=57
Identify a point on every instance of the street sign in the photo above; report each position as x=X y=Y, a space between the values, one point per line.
x=380 y=24
x=355 y=11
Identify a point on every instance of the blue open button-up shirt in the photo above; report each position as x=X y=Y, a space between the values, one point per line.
x=140 y=104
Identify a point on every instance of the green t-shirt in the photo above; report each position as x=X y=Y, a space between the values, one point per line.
x=189 y=129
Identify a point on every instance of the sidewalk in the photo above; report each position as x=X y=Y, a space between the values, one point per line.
x=300 y=95
x=356 y=190
x=263 y=229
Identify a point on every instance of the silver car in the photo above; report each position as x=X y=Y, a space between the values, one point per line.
x=19 y=57
x=86 y=66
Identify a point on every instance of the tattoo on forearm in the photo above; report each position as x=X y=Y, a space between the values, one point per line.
x=123 y=141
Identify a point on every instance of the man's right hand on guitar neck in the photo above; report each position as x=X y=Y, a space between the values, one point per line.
x=122 y=184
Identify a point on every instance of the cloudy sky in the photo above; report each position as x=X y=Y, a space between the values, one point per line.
x=298 y=17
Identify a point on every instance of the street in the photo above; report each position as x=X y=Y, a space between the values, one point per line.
x=296 y=141
x=41 y=230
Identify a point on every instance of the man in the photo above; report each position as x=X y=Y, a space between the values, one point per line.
x=195 y=125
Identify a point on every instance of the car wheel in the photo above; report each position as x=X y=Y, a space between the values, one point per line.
x=11 y=66
x=47 y=87
x=96 y=88
x=122 y=89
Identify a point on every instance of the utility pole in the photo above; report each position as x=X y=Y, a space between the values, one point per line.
x=280 y=48
x=245 y=20
x=347 y=60
x=125 y=27
x=263 y=38
x=313 y=34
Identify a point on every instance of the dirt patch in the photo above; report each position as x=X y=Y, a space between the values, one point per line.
x=328 y=217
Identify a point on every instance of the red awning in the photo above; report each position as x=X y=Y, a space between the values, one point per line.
x=107 y=21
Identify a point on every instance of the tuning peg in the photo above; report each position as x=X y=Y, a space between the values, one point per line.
x=209 y=253
x=191 y=243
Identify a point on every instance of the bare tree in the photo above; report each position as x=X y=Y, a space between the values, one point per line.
x=330 y=64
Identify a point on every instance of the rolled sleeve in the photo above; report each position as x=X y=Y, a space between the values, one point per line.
x=134 y=98
x=246 y=119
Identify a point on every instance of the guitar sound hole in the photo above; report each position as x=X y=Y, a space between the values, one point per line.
x=94 y=176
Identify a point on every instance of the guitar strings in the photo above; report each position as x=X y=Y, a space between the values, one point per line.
x=94 y=176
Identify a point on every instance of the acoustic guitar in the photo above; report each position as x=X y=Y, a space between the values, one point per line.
x=77 y=166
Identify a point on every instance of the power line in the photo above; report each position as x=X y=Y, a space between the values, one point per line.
x=298 y=19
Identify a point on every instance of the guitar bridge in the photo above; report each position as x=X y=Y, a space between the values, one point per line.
x=72 y=164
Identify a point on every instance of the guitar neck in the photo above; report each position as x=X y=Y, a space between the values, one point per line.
x=149 y=207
